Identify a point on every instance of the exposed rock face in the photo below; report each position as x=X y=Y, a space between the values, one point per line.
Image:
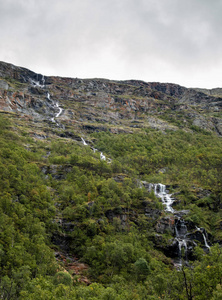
x=57 y=172
x=197 y=236
x=212 y=92
x=183 y=239
x=114 y=104
x=166 y=224
x=160 y=124
x=172 y=250
x=3 y=85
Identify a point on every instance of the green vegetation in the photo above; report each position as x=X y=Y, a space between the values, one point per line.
x=58 y=196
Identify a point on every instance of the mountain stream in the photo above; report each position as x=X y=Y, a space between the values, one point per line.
x=183 y=239
x=102 y=156
x=54 y=106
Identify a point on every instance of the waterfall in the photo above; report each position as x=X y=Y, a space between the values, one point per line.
x=84 y=142
x=182 y=236
x=60 y=110
x=102 y=157
x=182 y=244
x=205 y=241
x=57 y=107
x=167 y=200
x=180 y=226
x=155 y=188
x=181 y=232
x=204 y=237
x=37 y=83
x=48 y=97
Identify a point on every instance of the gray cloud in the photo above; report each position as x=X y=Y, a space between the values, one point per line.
x=166 y=40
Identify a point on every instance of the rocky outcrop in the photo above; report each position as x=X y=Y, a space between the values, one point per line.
x=3 y=85
x=56 y=171
x=213 y=92
x=100 y=104
x=166 y=225
x=156 y=123
x=23 y=75
x=218 y=125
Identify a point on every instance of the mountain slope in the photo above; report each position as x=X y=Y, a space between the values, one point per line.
x=88 y=168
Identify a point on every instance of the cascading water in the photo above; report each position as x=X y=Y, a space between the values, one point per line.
x=102 y=156
x=182 y=236
x=60 y=110
x=205 y=241
x=36 y=83
x=84 y=142
x=182 y=245
x=181 y=232
x=41 y=84
x=204 y=237
x=167 y=200
x=56 y=106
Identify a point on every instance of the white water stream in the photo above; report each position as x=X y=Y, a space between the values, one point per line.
x=57 y=107
x=84 y=142
x=60 y=110
x=37 y=83
x=102 y=156
x=180 y=226
x=204 y=237
x=167 y=200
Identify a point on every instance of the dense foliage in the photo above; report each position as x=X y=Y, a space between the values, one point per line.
x=58 y=196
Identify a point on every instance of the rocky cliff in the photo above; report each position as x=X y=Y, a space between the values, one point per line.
x=100 y=104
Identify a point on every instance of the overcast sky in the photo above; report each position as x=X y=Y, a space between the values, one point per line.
x=177 y=41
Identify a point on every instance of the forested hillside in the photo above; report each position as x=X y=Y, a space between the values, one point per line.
x=87 y=168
